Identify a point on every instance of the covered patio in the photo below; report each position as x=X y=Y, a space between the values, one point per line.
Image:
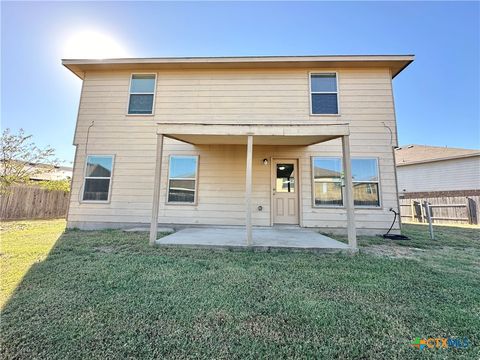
x=275 y=238
x=299 y=134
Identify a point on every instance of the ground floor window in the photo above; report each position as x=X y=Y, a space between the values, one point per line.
x=182 y=179
x=365 y=182
x=327 y=174
x=98 y=178
x=327 y=181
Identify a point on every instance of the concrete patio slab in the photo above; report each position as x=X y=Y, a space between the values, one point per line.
x=263 y=239
x=146 y=229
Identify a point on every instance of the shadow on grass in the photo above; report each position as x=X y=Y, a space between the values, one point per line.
x=108 y=294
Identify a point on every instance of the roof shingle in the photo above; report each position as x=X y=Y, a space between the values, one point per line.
x=413 y=154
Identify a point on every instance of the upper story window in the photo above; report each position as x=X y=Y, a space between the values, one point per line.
x=182 y=179
x=142 y=94
x=324 y=94
x=98 y=178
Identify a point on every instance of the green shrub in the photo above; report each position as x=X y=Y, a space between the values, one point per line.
x=62 y=185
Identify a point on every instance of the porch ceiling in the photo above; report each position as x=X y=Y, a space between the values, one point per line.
x=271 y=134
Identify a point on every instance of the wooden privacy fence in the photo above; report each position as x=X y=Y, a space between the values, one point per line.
x=33 y=202
x=444 y=210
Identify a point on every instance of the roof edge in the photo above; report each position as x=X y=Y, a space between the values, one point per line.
x=236 y=58
x=76 y=65
x=439 y=159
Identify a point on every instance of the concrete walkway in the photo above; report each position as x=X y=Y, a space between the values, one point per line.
x=263 y=239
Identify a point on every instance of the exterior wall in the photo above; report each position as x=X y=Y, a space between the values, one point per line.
x=446 y=175
x=227 y=96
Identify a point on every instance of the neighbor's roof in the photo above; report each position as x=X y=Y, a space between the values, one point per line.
x=417 y=154
x=395 y=62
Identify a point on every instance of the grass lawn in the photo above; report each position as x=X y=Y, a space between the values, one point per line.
x=22 y=244
x=107 y=294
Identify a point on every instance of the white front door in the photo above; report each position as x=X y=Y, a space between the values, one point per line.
x=285 y=192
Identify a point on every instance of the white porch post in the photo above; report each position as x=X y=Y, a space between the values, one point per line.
x=347 y=170
x=248 y=190
x=156 y=190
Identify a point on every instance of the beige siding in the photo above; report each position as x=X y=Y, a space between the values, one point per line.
x=447 y=175
x=227 y=96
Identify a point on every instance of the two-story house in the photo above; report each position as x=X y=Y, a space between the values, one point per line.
x=248 y=141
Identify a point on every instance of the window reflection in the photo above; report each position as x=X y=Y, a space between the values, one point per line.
x=285 y=180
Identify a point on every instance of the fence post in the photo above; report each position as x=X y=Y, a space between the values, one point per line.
x=412 y=209
x=428 y=211
x=422 y=212
x=471 y=211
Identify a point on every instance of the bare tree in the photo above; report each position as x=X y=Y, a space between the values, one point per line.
x=20 y=158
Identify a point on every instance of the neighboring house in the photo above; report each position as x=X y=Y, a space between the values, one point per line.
x=426 y=171
x=49 y=174
x=41 y=172
x=236 y=141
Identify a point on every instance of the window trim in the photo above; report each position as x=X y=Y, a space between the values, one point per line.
x=310 y=92
x=143 y=93
x=90 y=177
x=378 y=182
x=195 y=198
